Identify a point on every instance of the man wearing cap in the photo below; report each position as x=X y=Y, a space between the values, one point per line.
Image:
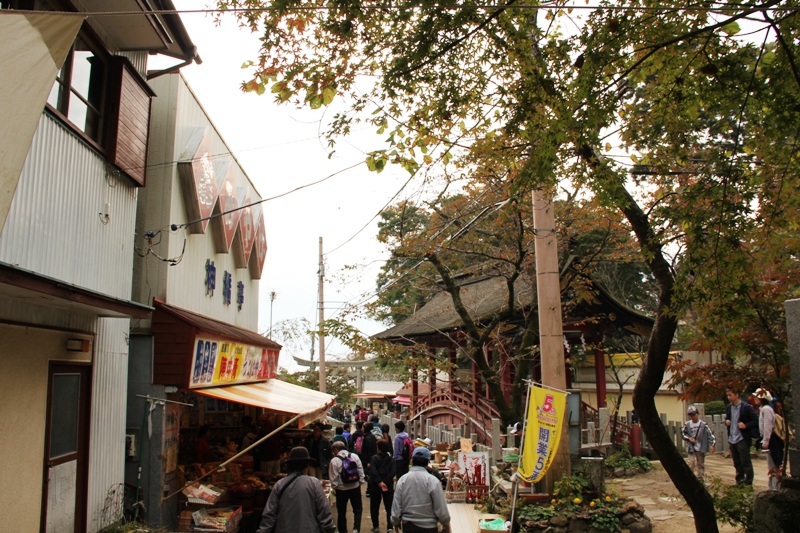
x=699 y=441
x=419 y=504
x=297 y=502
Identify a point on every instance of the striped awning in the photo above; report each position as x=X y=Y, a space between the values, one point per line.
x=275 y=395
x=402 y=400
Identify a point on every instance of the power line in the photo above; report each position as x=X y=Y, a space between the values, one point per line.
x=175 y=227
x=718 y=7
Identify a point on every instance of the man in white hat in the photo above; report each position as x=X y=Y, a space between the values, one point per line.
x=699 y=441
x=419 y=504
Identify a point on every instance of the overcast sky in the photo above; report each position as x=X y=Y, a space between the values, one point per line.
x=280 y=148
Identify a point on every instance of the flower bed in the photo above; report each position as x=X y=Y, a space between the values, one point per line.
x=600 y=515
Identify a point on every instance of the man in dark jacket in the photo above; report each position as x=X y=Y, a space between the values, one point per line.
x=742 y=422
x=370 y=446
x=297 y=502
x=319 y=448
x=381 y=484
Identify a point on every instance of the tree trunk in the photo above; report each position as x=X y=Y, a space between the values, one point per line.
x=652 y=374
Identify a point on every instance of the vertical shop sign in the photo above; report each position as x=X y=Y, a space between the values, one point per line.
x=172 y=430
x=211 y=277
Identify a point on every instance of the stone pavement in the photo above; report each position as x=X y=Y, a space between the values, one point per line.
x=663 y=504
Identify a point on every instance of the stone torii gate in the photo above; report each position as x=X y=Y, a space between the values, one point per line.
x=359 y=367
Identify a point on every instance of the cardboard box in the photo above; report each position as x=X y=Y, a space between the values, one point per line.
x=489 y=517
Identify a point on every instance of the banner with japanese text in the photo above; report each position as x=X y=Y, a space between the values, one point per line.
x=222 y=362
x=547 y=410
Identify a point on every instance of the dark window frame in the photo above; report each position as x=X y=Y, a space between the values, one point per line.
x=66 y=91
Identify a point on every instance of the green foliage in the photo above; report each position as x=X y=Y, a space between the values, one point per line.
x=624 y=459
x=570 y=486
x=717 y=407
x=734 y=504
x=534 y=513
x=605 y=518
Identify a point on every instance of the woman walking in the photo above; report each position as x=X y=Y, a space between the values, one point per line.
x=381 y=484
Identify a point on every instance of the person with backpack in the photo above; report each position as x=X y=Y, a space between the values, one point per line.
x=699 y=441
x=403 y=449
x=381 y=484
x=297 y=502
x=370 y=444
x=346 y=474
x=357 y=440
x=772 y=442
x=339 y=436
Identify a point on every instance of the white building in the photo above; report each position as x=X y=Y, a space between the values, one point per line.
x=66 y=257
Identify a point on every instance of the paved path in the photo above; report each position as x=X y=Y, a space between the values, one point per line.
x=665 y=506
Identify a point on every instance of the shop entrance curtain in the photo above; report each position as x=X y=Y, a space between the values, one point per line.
x=275 y=395
x=35 y=46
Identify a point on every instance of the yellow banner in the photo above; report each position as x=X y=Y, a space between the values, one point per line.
x=547 y=410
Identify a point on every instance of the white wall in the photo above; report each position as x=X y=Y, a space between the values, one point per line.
x=54 y=226
x=176 y=114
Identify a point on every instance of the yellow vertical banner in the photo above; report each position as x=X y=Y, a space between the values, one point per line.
x=546 y=412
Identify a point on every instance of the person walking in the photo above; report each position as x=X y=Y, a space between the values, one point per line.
x=347 y=475
x=699 y=441
x=319 y=448
x=297 y=502
x=381 y=484
x=742 y=422
x=370 y=445
x=771 y=444
x=419 y=504
x=403 y=449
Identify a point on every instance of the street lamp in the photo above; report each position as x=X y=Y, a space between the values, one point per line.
x=271 y=300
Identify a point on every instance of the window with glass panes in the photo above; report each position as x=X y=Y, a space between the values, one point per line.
x=80 y=87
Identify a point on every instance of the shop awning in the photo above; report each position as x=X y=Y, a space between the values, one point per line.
x=275 y=395
x=402 y=400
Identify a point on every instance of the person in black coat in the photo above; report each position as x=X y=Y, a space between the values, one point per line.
x=742 y=422
x=370 y=446
x=319 y=448
x=381 y=484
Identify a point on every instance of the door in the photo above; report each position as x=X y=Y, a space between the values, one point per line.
x=66 y=448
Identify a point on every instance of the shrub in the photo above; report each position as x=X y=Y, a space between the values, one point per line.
x=715 y=408
x=567 y=486
x=734 y=505
x=535 y=513
x=624 y=459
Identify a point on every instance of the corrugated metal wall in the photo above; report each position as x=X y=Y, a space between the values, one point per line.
x=176 y=113
x=20 y=311
x=139 y=60
x=55 y=226
x=107 y=437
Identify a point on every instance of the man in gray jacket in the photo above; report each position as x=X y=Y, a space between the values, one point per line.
x=699 y=441
x=419 y=504
x=347 y=475
x=297 y=502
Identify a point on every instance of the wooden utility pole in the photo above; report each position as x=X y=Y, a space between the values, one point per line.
x=551 y=335
x=323 y=376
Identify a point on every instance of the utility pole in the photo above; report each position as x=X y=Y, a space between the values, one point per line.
x=551 y=335
x=322 y=373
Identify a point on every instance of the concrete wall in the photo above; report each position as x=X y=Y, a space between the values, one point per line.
x=25 y=354
x=153 y=482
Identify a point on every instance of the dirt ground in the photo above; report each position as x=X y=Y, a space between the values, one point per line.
x=667 y=510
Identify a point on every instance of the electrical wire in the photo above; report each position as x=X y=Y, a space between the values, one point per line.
x=175 y=227
x=719 y=7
